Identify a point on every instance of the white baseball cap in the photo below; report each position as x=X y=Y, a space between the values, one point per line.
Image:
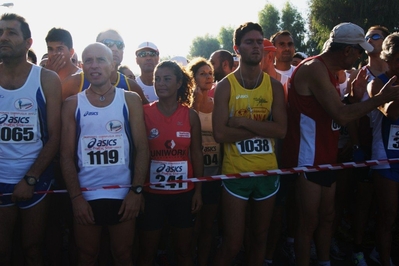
x=180 y=60
x=350 y=33
x=148 y=45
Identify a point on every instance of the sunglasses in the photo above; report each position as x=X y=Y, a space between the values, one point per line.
x=149 y=53
x=375 y=37
x=109 y=43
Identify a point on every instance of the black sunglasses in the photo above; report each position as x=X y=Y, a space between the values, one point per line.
x=375 y=37
x=145 y=53
x=109 y=43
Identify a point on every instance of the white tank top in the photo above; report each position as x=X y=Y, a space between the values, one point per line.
x=148 y=91
x=104 y=146
x=23 y=127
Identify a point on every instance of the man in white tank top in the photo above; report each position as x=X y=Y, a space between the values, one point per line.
x=30 y=105
x=103 y=127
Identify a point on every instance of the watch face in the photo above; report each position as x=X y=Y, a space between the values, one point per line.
x=139 y=189
x=31 y=180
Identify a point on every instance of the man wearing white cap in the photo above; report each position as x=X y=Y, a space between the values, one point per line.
x=147 y=57
x=315 y=114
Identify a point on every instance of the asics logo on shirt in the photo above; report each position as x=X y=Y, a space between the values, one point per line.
x=90 y=113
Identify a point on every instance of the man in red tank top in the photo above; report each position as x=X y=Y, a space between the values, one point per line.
x=315 y=114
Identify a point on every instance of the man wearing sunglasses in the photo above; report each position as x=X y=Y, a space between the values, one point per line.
x=147 y=57
x=315 y=115
x=113 y=40
x=362 y=140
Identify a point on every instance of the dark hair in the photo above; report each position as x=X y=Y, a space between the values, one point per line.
x=60 y=35
x=243 y=29
x=185 y=92
x=24 y=25
x=196 y=63
x=121 y=68
x=384 y=30
x=279 y=33
x=390 y=46
x=335 y=46
x=225 y=55
x=33 y=56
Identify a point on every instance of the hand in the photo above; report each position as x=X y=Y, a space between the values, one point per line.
x=56 y=62
x=236 y=122
x=198 y=95
x=196 y=202
x=131 y=206
x=359 y=84
x=389 y=90
x=22 y=191
x=82 y=211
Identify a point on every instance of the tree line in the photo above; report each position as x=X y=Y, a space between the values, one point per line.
x=309 y=32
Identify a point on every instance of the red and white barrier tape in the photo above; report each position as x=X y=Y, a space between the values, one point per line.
x=317 y=168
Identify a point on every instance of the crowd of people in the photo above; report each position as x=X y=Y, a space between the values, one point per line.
x=120 y=169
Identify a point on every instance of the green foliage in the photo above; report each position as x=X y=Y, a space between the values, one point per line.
x=311 y=32
x=325 y=14
x=292 y=21
x=204 y=46
x=226 y=38
x=269 y=19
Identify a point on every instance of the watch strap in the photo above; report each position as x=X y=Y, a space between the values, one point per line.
x=137 y=189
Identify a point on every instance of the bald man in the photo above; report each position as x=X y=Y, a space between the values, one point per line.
x=111 y=129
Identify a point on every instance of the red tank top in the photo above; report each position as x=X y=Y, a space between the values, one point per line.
x=312 y=135
x=169 y=140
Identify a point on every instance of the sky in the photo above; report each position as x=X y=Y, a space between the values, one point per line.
x=170 y=25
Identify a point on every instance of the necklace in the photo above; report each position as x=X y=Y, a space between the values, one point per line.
x=249 y=108
x=102 y=97
x=257 y=80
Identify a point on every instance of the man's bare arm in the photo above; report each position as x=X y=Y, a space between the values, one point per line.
x=221 y=114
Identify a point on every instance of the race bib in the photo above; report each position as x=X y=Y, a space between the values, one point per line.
x=103 y=150
x=335 y=126
x=18 y=127
x=393 y=138
x=165 y=171
x=211 y=153
x=254 y=146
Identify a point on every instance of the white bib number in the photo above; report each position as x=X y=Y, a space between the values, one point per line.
x=254 y=146
x=18 y=127
x=165 y=171
x=393 y=138
x=105 y=150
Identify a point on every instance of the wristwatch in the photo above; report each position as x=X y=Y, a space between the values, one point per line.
x=136 y=189
x=31 y=180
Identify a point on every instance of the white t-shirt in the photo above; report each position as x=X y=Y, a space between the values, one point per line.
x=286 y=72
x=148 y=91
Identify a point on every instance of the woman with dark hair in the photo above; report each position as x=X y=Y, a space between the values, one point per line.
x=174 y=136
x=202 y=72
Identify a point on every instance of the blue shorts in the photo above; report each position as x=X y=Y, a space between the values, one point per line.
x=258 y=188
x=391 y=173
x=5 y=201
